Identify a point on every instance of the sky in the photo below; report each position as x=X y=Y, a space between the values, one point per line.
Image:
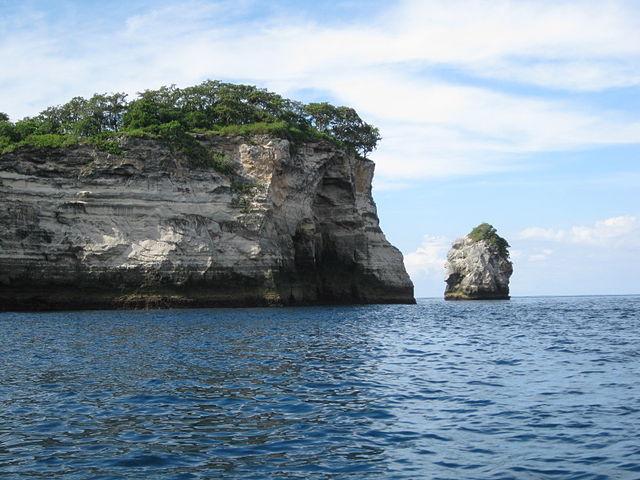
x=523 y=114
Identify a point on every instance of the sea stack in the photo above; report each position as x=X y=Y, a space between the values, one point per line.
x=478 y=266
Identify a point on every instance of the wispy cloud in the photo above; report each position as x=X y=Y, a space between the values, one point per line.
x=388 y=66
x=578 y=45
x=611 y=232
x=540 y=254
x=581 y=259
x=428 y=260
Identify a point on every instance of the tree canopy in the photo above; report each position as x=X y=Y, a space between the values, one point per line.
x=209 y=106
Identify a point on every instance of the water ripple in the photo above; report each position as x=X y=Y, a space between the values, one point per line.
x=540 y=388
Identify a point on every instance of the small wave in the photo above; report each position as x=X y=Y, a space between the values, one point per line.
x=536 y=388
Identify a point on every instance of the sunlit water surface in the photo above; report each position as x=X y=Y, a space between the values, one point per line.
x=531 y=388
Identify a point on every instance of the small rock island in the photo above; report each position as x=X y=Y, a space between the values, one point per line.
x=478 y=266
x=213 y=195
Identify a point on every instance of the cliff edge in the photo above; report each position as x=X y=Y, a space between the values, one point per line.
x=282 y=225
x=478 y=266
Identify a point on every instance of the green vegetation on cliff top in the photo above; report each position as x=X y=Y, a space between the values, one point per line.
x=176 y=114
x=488 y=233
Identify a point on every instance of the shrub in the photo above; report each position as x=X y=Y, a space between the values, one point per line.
x=106 y=142
x=245 y=188
x=218 y=161
x=488 y=233
x=49 y=140
x=5 y=142
x=179 y=139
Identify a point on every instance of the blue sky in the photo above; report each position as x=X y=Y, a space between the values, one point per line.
x=523 y=114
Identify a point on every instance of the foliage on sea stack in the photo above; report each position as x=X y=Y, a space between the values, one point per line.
x=488 y=233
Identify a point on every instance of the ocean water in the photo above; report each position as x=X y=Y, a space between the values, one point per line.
x=531 y=388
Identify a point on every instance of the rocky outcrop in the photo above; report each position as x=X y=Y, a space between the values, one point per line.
x=478 y=268
x=82 y=228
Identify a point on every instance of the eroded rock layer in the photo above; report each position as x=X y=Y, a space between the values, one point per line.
x=82 y=228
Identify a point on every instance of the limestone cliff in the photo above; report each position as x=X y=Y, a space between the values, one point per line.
x=82 y=228
x=478 y=267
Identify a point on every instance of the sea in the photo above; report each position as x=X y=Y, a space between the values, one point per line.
x=531 y=388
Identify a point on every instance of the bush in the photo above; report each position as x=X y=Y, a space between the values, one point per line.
x=218 y=161
x=48 y=141
x=5 y=142
x=106 y=142
x=7 y=129
x=179 y=139
x=245 y=188
x=488 y=233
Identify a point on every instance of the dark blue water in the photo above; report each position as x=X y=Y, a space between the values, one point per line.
x=533 y=388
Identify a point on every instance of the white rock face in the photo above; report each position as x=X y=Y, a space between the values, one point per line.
x=83 y=228
x=476 y=271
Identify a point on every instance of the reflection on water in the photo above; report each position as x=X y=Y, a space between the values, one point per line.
x=531 y=388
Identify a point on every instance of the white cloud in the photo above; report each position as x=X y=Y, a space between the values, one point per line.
x=573 y=75
x=388 y=68
x=539 y=233
x=581 y=259
x=431 y=129
x=581 y=44
x=611 y=232
x=428 y=260
x=540 y=254
x=387 y=186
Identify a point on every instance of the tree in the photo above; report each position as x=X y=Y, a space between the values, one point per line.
x=153 y=107
x=28 y=126
x=210 y=105
x=8 y=132
x=108 y=110
x=345 y=125
x=322 y=116
x=84 y=117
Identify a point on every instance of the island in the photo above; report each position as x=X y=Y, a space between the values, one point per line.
x=478 y=266
x=213 y=195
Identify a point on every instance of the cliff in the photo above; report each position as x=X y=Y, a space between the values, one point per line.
x=83 y=228
x=478 y=267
